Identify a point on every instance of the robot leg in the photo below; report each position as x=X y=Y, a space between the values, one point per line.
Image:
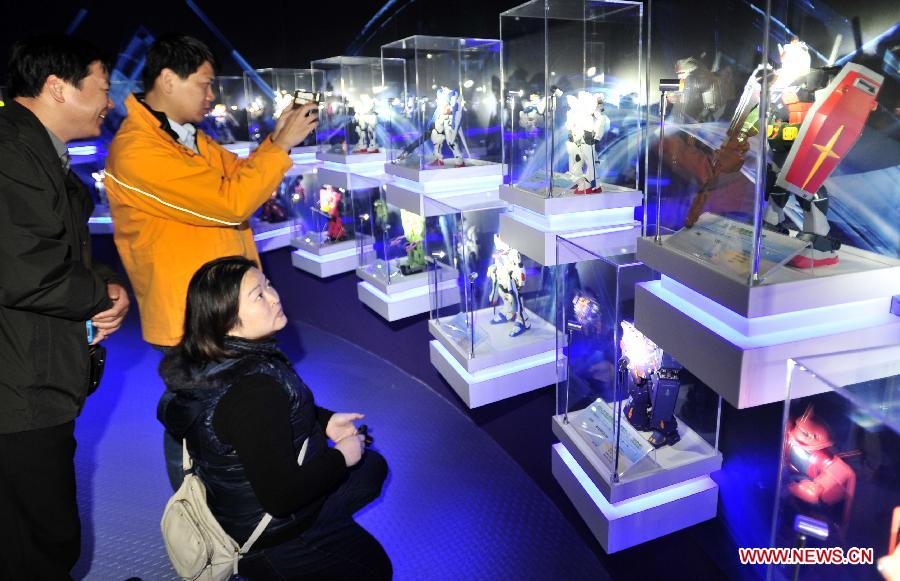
x=637 y=408
x=823 y=251
x=437 y=139
x=522 y=324
x=665 y=395
x=588 y=154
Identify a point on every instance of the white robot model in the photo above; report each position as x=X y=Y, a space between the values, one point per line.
x=366 y=120
x=446 y=129
x=586 y=124
x=507 y=278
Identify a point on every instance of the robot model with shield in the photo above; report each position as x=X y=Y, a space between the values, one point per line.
x=507 y=278
x=586 y=124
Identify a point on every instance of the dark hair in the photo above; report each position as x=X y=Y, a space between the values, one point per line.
x=32 y=60
x=181 y=53
x=213 y=300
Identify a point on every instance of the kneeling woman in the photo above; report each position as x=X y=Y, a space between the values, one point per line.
x=246 y=415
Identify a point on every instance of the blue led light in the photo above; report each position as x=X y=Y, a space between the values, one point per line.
x=269 y=234
x=396 y=297
x=326 y=258
x=81 y=150
x=637 y=504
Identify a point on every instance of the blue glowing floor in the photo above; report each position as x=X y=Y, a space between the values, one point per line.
x=455 y=505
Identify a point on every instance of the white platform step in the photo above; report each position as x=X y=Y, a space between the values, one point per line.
x=690 y=458
x=537 y=240
x=400 y=304
x=859 y=276
x=272 y=236
x=339 y=258
x=447 y=173
x=496 y=383
x=744 y=359
x=637 y=520
x=570 y=203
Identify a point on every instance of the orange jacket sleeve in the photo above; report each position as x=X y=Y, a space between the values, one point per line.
x=213 y=189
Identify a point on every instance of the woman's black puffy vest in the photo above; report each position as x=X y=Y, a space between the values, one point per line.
x=197 y=391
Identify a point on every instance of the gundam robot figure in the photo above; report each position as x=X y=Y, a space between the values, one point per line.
x=815 y=117
x=446 y=127
x=819 y=475
x=366 y=120
x=587 y=312
x=330 y=207
x=414 y=232
x=272 y=210
x=813 y=123
x=586 y=124
x=507 y=278
x=652 y=389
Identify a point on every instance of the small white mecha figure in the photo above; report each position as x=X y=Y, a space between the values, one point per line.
x=507 y=278
x=223 y=121
x=586 y=124
x=447 y=122
x=532 y=114
x=366 y=119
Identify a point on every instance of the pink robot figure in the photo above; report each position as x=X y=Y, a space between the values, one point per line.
x=821 y=475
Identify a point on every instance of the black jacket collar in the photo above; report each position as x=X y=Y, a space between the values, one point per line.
x=160 y=116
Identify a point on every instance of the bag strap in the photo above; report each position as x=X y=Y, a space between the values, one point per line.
x=267 y=518
x=186 y=462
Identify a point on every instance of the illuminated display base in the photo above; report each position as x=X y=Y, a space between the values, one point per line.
x=304 y=154
x=859 y=276
x=570 y=203
x=690 y=458
x=241 y=148
x=638 y=520
x=269 y=236
x=330 y=259
x=475 y=168
x=495 y=383
x=613 y=233
x=100 y=221
x=427 y=204
x=398 y=305
x=344 y=178
x=351 y=159
x=745 y=360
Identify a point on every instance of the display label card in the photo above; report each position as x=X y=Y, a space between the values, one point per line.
x=596 y=426
x=728 y=245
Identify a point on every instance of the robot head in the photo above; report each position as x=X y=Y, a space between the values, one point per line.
x=447 y=97
x=810 y=432
x=644 y=356
x=795 y=61
x=684 y=67
x=220 y=110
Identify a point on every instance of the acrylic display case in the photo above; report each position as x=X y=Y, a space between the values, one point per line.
x=327 y=234
x=638 y=433
x=447 y=117
x=269 y=91
x=573 y=115
x=276 y=223
x=497 y=340
x=358 y=97
x=399 y=275
x=772 y=236
x=228 y=120
x=839 y=478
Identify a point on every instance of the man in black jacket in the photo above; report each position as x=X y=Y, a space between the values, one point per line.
x=50 y=291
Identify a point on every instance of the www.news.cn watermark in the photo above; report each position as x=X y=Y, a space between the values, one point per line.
x=807 y=556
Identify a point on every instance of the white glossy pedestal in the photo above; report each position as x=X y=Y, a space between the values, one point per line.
x=742 y=336
x=502 y=366
x=329 y=259
x=405 y=296
x=638 y=519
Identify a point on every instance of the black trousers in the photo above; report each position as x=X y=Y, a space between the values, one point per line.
x=40 y=534
x=335 y=547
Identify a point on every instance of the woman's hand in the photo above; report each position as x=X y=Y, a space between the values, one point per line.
x=352 y=448
x=341 y=425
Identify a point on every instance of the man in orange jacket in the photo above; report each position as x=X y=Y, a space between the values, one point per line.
x=177 y=198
